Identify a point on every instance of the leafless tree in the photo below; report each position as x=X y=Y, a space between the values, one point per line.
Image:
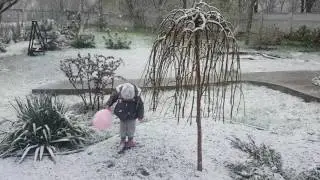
x=159 y=5
x=309 y=5
x=6 y=4
x=306 y=5
x=282 y=2
x=249 y=21
x=136 y=10
x=184 y=4
x=198 y=45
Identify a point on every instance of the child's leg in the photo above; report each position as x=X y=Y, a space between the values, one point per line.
x=131 y=124
x=123 y=131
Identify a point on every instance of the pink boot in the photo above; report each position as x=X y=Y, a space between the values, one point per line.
x=131 y=143
x=122 y=144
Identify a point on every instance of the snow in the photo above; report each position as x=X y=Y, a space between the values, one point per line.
x=15 y=49
x=167 y=150
x=316 y=81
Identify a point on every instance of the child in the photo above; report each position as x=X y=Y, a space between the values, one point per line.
x=129 y=107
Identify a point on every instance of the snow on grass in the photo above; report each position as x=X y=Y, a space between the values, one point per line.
x=15 y=49
x=316 y=81
x=167 y=150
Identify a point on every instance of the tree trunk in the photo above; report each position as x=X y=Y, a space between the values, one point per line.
x=302 y=7
x=61 y=6
x=249 y=23
x=199 y=94
x=309 y=5
x=81 y=15
x=101 y=19
x=184 y=4
x=239 y=12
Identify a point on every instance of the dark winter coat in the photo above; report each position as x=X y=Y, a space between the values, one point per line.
x=126 y=109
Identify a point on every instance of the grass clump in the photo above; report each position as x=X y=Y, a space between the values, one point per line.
x=84 y=41
x=116 y=41
x=41 y=127
x=264 y=163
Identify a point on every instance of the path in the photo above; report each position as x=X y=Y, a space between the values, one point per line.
x=297 y=83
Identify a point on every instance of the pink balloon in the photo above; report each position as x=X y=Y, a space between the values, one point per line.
x=102 y=119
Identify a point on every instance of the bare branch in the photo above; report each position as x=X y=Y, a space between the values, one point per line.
x=6 y=4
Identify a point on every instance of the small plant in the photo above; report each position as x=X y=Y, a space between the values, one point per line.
x=116 y=41
x=80 y=44
x=83 y=41
x=2 y=48
x=304 y=37
x=312 y=174
x=264 y=162
x=268 y=36
x=91 y=73
x=41 y=127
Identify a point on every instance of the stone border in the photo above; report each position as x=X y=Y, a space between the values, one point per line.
x=284 y=89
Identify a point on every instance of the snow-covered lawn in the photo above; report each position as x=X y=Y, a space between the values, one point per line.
x=15 y=49
x=167 y=150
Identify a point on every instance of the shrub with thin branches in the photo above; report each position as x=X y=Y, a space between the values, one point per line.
x=41 y=127
x=91 y=73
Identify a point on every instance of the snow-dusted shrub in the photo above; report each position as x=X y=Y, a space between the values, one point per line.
x=42 y=127
x=91 y=74
x=316 y=81
x=313 y=174
x=305 y=36
x=264 y=163
x=83 y=41
x=268 y=36
x=116 y=41
x=2 y=48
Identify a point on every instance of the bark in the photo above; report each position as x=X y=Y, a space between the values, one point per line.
x=184 y=4
x=249 y=23
x=199 y=94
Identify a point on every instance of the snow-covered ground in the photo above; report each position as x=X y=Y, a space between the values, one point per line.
x=15 y=49
x=167 y=150
x=316 y=81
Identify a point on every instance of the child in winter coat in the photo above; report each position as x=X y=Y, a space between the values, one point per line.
x=129 y=107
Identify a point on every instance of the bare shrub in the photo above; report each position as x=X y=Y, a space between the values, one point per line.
x=91 y=75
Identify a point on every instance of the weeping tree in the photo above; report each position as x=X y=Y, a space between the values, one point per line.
x=197 y=48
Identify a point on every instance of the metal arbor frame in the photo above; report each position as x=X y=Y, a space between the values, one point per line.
x=36 y=34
